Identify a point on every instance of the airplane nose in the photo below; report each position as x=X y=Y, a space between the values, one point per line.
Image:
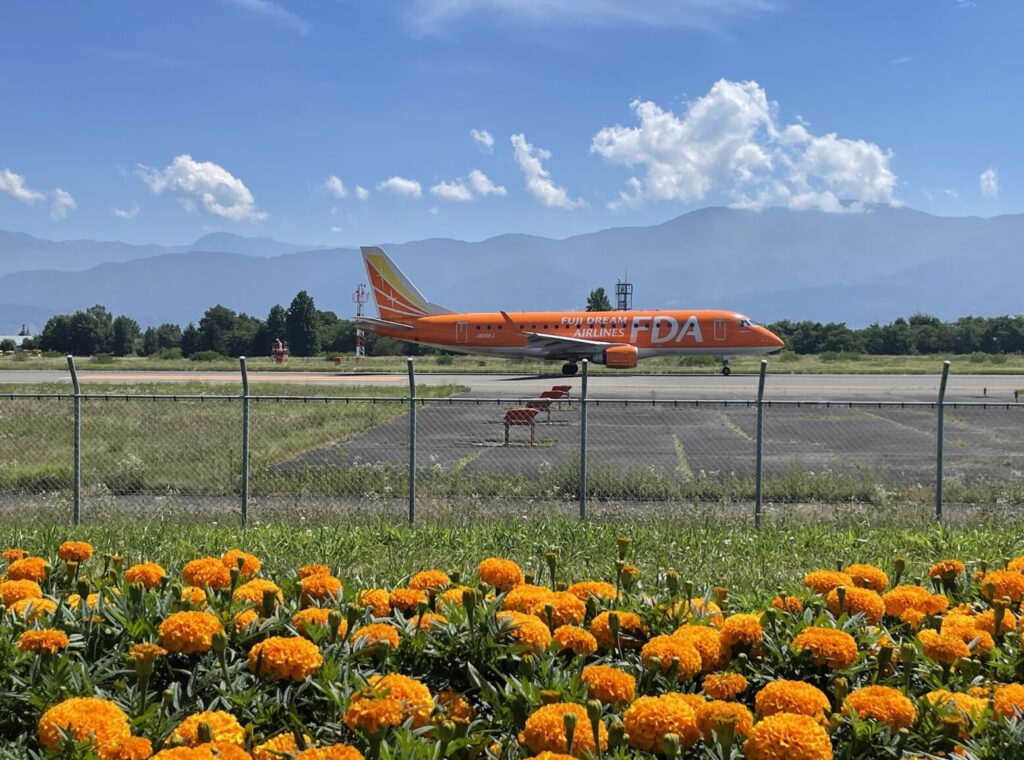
x=773 y=339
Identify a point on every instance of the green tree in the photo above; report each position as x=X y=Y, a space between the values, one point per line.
x=91 y=331
x=7 y=344
x=56 y=335
x=189 y=340
x=302 y=326
x=598 y=300
x=124 y=331
x=215 y=329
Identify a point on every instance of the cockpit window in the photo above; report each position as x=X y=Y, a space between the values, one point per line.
x=744 y=323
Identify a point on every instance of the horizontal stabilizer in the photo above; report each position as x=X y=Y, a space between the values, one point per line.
x=370 y=322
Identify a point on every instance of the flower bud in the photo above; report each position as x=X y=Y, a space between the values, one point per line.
x=570 y=720
x=623 y=543
x=670 y=746
x=672 y=581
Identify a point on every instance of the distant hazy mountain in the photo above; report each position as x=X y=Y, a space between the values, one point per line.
x=773 y=264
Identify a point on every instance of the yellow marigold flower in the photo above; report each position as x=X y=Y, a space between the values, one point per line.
x=667 y=648
x=189 y=632
x=903 y=598
x=84 y=718
x=28 y=569
x=369 y=635
x=330 y=752
x=149 y=574
x=981 y=692
x=282 y=658
x=724 y=685
x=958 y=703
x=32 y=609
x=868 y=576
x=525 y=596
x=707 y=641
x=146 y=651
x=712 y=715
x=206 y=572
x=566 y=609
x=986 y=621
x=526 y=629
x=788 y=604
x=698 y=609
x=377 y=600
x=246 y=619
x=455 y=707
x=75 y=551
x=791 y=697
x=545 y=730
x=828 y=647
x=586 y=589
x=576 y=640
x=307 y=570
x=302 y=619
x=947 y=568
x=406 y=600
x=942 y=648
x=277 y=747
x=430 y=580
x=193 y=596
x=823 y=581
x=452 y=596
x=882 y=703
x=1005 y=583
x=250 y=563
x=648 y=719
x=609 y=685
x=319 y=588
x=503 y=574
x=632 y=631
x=412 y=697
x=742 y=629
x=857 y=601
x=787 y=737
x=13 y=554
x=253 y=591
x=45 y=641
x=224 y=727
x=128 y=748
x=1009 y=700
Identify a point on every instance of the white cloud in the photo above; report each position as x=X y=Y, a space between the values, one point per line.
x=337 y=228
x=205 y=185
x=60 y=204
x=401 y=186
x=538 y=179
x=274 y=12
x=951 y=193
x=362 y=193
x=128 y=214
x=434 y=211
x=729 y=143
x=475 y=184
x=901 y=60
x=455 y=190
x=335 y=187
x=14 y=185
x=988 y=181
x=484 y=139
x=483 y=186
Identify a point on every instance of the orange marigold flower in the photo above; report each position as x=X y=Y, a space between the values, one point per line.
x=648 y=719
x=128 y=748
x=28 y=569
x=742 y=629
x=1003 y=582
x=189 y=632
x=1009 y=700
x=669 y=648
x=566 y=609
x=370 y=635
x=411 y=698
x=857 y=601
x=146 y=651
x=224 y=727
x=283 y=658
x=943 y=648
x=986 y=621
x=253 y=591
x=245 y=619
x=84 y=718
x=707 y=641
x=523 y=597
x=828 y=647
x=406 y=600
x=868 y=576
x=964 y=627
x=788 y=604
x=307 y=570
x=430 y=580
x=913 y=617
x=586 y=589
x=455 y=707
x=698 y=609
x=787 y=737
x=724 y=685
x=330 y=752
x=315 y=616
x=206 y=572
x=75 y=551
x=956 y=702
x=503 y=574
x=903 y=598
x=45 y=641
x=452 y=596
x=277 y=747
x=609 y=685
x=823 y=581
x=526 y=629
x=13 y=554
x=881 y=703
x=377 y=600
x=947 y=568
x=319 y=588
x=576 y=640
x=193 y=596
x=32 y=609
x=426 y=621
x=713 y=715
x=545 y=730
x=632 y=631
x=250 y=563
x=797 y=697
x=149 y=574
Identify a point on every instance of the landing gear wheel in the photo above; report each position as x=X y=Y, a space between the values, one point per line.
x=726 y=371
x=569 y=369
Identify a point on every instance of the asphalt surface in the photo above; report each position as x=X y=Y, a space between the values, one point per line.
x=996 y=388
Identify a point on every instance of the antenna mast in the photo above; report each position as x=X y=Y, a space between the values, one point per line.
x=361 y=296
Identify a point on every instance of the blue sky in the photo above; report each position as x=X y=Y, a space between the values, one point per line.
x=160 y=121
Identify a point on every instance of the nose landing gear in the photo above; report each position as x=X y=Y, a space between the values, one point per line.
x=569 y=369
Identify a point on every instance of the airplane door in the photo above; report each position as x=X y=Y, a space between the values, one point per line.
x=462 y=332
x=719 y=329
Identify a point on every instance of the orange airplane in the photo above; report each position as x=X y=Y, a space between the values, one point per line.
x=613 y=338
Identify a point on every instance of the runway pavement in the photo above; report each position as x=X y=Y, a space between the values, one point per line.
x=995 y=388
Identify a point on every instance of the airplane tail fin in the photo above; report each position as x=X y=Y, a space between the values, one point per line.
x=396 y=297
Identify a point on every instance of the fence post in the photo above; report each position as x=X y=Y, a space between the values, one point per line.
x=583 y=441
x=760 y=444
x=76 y=447
x=938 y=454
x=245 y=441
x=412 y=441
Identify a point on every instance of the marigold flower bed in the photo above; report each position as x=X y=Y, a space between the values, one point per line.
x=105 y=659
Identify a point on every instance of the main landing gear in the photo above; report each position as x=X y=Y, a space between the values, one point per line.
x=569 y=369
x=725 y=367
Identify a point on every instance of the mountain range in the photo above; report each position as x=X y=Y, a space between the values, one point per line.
x=857 y=267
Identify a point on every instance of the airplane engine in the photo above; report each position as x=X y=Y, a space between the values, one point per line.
x=620 y=357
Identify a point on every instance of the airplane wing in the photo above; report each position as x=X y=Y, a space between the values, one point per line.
x=559 y=346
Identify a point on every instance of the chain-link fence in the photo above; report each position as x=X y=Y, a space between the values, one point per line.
x=219 y=456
